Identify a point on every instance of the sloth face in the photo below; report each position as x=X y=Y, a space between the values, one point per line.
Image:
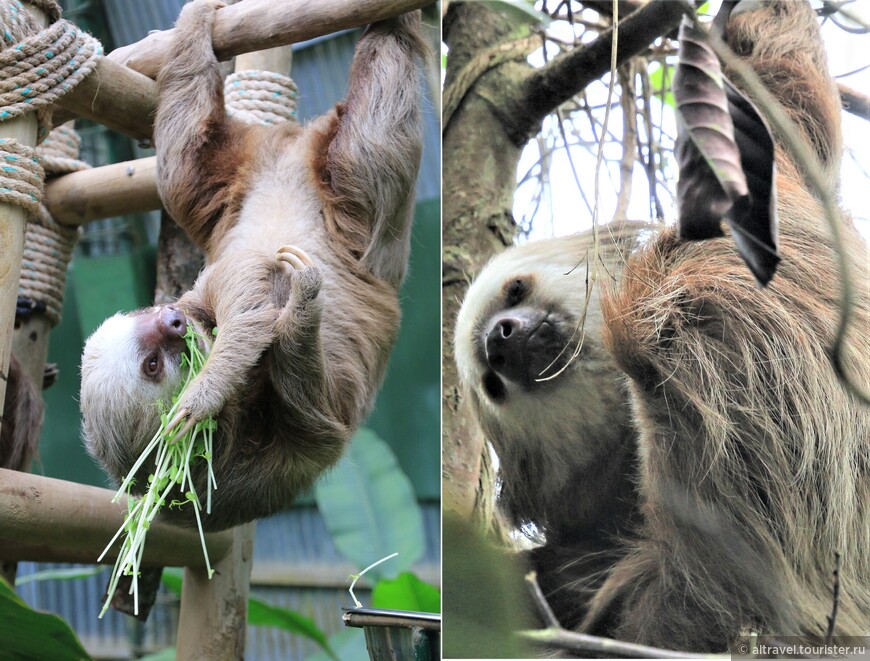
x=519 y=324
x=542 y=407
x=129 y=363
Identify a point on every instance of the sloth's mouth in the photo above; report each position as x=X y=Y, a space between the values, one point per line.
x=494 y=387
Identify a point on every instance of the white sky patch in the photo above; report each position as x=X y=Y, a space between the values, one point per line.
x=561 y=209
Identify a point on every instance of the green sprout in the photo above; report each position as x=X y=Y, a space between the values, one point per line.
x=172 y=468
x=356 y=577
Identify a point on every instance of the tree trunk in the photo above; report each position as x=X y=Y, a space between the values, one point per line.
x=479 y=178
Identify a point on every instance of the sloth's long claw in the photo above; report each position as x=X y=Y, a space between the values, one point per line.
x=291 y=259
x=294 y=256
x=181 y=414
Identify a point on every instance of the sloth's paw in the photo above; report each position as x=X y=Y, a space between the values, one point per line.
x=305 y=273
x=196 y=405
x=197 y=13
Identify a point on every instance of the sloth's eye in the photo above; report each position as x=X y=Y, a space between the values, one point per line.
x=152 y=365
x=515 y=290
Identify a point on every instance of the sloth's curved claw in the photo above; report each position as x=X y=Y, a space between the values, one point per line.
x=182 y=414
x=296 y=257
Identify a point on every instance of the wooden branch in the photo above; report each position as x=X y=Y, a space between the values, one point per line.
x=854 y=101
x=48 y=520
x=589 y=646
x=606 y=6
x=114 y=96
x=111 y=190
x=124 y=99
x=545 y=89
x=257 y=24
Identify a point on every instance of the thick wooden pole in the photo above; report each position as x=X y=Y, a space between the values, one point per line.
x=49 y=520
x=12 y=221
x=110 y=190
x=254 y=25
x=214 y=612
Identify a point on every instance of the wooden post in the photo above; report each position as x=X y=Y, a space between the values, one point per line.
x=12 y=221
x=214 y=612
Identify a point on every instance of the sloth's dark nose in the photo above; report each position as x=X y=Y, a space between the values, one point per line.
x=505 y=342
x=172 y=322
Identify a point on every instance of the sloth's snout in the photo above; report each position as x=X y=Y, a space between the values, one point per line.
x=171 y=322
x=506 y=340
x=522 y=344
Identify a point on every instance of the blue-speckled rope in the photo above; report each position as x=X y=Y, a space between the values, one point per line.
x=37 y=66
x=260 y=97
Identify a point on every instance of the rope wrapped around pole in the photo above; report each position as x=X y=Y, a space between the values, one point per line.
x=48 y=246
x=37 y=67
x=260 y=97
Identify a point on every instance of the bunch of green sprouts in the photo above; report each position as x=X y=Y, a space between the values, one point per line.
x=172 y=468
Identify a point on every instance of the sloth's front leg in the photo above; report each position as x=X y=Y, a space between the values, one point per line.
x=243 y=336
x=298 y=365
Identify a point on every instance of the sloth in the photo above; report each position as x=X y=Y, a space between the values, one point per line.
x=306 y=232
x=735 y=470
x=560 y=424
x=22 y=419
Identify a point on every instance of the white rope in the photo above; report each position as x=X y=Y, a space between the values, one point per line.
x=260 y=97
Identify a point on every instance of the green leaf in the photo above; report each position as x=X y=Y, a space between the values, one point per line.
x=30 y=634
x=522 y=10
x=349 y=644
x=172 y=579
x=661 y=82
x=66 y=574
x=408 y=593
x=370 y=509
x=265 y=615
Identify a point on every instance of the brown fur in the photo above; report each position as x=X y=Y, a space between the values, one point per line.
x=300 y=352
x=22 y=420
x=754 y=457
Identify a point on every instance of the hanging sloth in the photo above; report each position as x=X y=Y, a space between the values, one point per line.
x=713 y=495
x=306 y=233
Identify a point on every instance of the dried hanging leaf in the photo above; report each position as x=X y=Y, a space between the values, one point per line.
x=725 y=154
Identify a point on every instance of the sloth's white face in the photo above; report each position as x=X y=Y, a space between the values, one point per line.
x=519 y=324
x=129 y=363
x=517 y=334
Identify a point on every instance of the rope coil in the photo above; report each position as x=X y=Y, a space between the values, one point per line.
x=37 y=67
x=260 y=97
x=21 y=175
x=48 y=246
